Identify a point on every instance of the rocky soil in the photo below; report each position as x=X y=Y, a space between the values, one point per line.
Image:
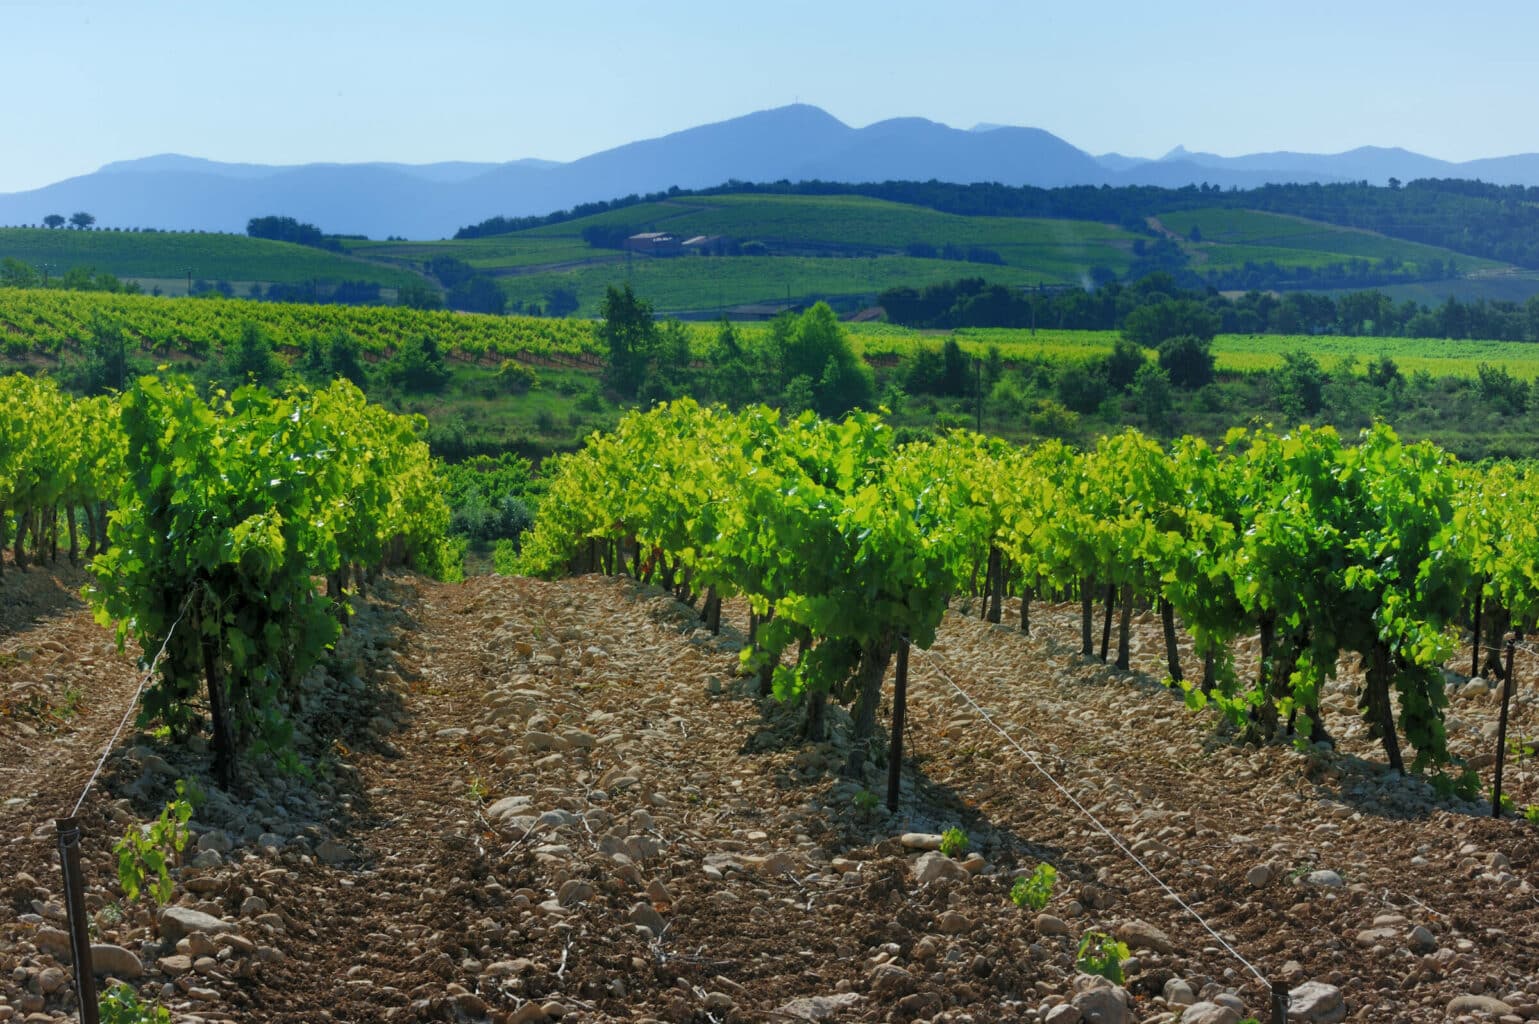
x=537 y=801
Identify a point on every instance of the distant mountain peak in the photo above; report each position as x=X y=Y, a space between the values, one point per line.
x=794 y=142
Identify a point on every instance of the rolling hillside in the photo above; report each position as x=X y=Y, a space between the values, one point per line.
x=165 y=259
x=1220 y=238
x=847 y=249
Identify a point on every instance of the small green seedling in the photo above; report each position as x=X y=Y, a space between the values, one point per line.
x=866 y=801
x=953 y=842
x=1101 y=954
x=1465 y=785
x=145 y=855
x=1531 y=814
x=1521 y=748
x=121 y=1005
x=1032 y=892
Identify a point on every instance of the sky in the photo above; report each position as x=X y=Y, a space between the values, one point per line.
x=296 y=81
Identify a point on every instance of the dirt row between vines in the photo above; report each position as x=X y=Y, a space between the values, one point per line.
x=555 y=800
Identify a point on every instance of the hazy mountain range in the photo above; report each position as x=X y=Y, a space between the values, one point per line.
x=797 y=143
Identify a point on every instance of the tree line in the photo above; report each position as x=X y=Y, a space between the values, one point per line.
x=974 y=302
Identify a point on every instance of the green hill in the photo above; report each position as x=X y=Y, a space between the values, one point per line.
x=165 y=259
x=1220 y=239
x=848 y=248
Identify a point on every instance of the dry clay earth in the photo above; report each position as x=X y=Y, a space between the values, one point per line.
x=536 y=801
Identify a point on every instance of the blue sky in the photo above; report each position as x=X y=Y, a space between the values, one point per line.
x=291 y=82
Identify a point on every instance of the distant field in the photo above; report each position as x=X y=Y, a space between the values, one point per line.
x=791 y=221
x=696 y=283
x=1230 y=238
x=169 y=255
x=1236 y=353
x=490 y=254
x=1437 y=356
x=1508 y=285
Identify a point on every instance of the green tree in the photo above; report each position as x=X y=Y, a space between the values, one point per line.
x=731 y=378
x=53 y=220
x=1151 y=394
x=418 y=365
x=1149 y=326
x=418 y=296
x=251 y=360
x=478 y=294
x=819 y=350
x=1300 y=385
x=81 y=220
x=1081 y=388
x=105 y=366
x=1123 y=364
x=561 y=301
x=629 y=332
x=344 y=358
x=1500 y=390
x=1188 y=360
x=1383 y=372
x=16 y=274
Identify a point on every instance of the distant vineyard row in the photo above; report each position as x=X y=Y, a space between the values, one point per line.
x=53 y=323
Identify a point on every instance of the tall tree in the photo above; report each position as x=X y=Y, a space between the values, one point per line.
x=631 y=336
x=53 y=220
x=81 y=220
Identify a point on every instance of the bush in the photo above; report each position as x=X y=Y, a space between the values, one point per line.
x=1052 y=419
x=514 y=378
x=1081 y=388
x=251 y=360
x=1501 y=391
x=1188 y=360
x=1300 y=386
x=1123 y=364
x=1151 y=394
x=418 y=365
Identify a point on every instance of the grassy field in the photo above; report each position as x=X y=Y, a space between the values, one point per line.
x=696 y=284
x=501 y=253
x=155 y=255
x=1235 y=353
x=1229 y=238
x=1505 y=285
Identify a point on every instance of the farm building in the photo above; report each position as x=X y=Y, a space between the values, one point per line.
x=654 y=243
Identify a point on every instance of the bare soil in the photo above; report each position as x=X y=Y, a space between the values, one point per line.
x=540 y=800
